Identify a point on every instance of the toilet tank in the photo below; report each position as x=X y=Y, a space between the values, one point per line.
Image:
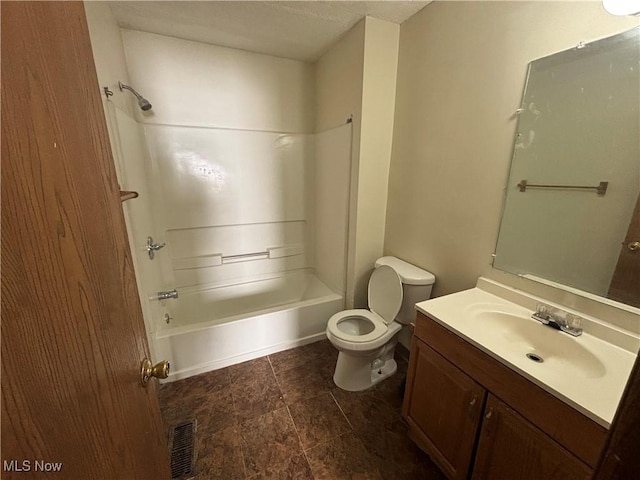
x=416 y=286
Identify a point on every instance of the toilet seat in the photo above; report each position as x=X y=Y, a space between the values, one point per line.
x=379 y=327
x=385 y=300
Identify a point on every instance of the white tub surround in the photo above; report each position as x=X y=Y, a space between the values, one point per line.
x=252 y=208
x=238 y=211
x=588 y=372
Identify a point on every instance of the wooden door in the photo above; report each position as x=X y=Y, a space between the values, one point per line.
x=442 y=406
x=625 y=284
x=72 y=330
x=511 y=447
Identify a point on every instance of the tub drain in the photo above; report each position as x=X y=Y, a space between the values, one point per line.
x=535 y=358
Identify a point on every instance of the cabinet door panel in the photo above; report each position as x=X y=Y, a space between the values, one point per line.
x=443 y=410
x=511 y=447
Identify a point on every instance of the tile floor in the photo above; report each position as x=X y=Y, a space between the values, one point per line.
x=281 y=417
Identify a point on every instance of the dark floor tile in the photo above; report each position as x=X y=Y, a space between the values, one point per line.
x=181 y=400
x=403 y=363
x=174 y=414
x=216 y=403
x=213 y=417
x=327 y=368
x=189 y=388
x=401 y=354
x=318 y=419
x=292 y=358
x=327 y=361
x=294 y=468
x=319 y=352
x=424 y=470
x=300 y=383
x=340 y=458
x=395 y=455
x=245 y=431
x=256 y=396
x=268 y=442
x=219 y=456
x=364 y=408
x=213 y=411
x=249 y=371
x=391 y=390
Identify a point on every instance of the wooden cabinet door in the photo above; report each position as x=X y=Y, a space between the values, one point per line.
x=73 y=406
x=442 y=407
x=512 y=448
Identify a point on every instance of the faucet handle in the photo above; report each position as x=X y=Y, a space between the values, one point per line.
x=542 y=308
x=572 y=325
x=543 y=311
x=574 y=321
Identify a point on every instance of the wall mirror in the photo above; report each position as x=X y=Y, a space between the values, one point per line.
x=572 y=208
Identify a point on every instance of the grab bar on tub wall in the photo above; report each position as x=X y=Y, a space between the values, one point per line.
x=285 y=251
x=244 y=256
x=216 y=259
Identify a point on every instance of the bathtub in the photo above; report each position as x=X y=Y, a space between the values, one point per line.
x=222 y=325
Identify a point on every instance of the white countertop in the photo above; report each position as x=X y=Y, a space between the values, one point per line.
x=589 y=375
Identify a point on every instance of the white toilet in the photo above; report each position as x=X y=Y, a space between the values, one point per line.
x=367 y=339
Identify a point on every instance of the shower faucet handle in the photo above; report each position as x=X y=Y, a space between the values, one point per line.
x=152 y=247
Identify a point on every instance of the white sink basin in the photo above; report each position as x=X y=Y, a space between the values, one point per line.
x=585 y=371
x=539 y=343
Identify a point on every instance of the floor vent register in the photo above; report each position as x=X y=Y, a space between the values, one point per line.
x=182 y=441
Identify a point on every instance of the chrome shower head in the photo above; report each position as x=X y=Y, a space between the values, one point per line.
x=143 y=103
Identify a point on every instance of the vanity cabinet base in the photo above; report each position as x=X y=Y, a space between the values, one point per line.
x=511 y=447
x=451 y=417
x=540 y=432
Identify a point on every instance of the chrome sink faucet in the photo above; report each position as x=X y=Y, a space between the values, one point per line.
x=558 y=319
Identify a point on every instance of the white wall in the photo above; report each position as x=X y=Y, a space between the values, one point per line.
x=357 y=76
x=338 y=78
x=378 y=105
x=196 y=84
x=108 y=52
x=339 y=75
x=461 y=73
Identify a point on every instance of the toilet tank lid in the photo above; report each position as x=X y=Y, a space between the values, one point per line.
x=409 y=274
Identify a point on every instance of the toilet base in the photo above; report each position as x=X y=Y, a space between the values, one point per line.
x=378 y=374
x=357 y=373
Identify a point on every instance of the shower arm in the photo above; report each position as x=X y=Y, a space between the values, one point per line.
x=122 y=87
x=143 y=103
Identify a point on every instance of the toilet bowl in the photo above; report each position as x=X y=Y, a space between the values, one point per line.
x=366 y=339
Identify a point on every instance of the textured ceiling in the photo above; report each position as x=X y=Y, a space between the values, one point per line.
x=301 y=30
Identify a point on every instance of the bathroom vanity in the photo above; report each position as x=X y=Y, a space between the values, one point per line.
x=482 y=408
